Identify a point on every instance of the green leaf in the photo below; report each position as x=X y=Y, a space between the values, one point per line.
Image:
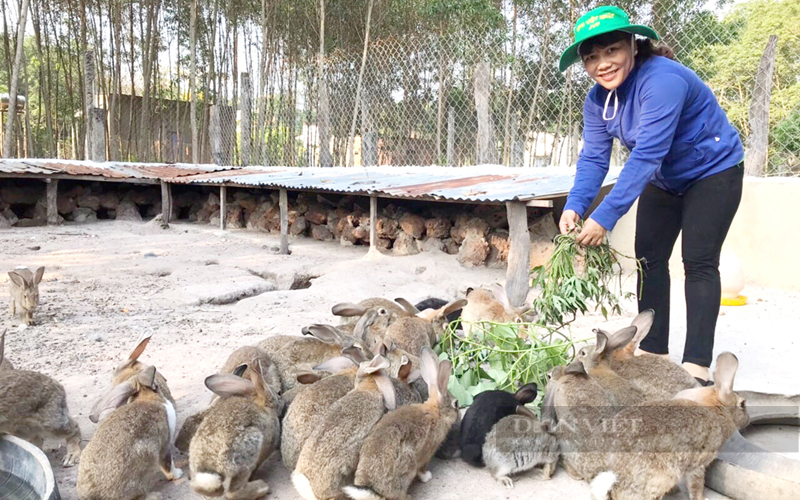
x=459 y=392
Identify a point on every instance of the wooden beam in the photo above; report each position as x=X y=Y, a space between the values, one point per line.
x=519 y=254
x=373 y=220
x=52 y=202
x=539 y=203
x=284 y=205
x=223 y=207
x=166 y=202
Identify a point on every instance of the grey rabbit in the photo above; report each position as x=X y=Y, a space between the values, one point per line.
x=24 y=292
x=518 y=443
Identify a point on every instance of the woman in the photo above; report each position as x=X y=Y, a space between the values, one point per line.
x=685 y=167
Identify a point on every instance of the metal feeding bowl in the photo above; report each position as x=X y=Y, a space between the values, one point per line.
x=25 y=472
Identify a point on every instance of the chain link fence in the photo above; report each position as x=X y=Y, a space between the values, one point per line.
x=460 y=82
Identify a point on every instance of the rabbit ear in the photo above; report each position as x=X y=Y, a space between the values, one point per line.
x=356 y=354
x=621 y=338
x=576 y=368
x=602 y=341
x=335 y=365
x=429 y=366
x=443 y=378
x=727 y=364
x=643 y=322
x=137 y=351
x=307 y=377
x=526 y=394
x=377 y=364
x=405 y=369
x=525 y=412
x=325 y=333
x=548 y=405
x=500 y=295
x=2 y=344
x=452 y=307
x=469 y=291
x=361 y=330
x=239 y=371
x=408 y=306
x=226 y=386
x=348 y=309
x=147 y=377
x=386 y=387
x=37 y=276
x=115 y=398
x=17 y=278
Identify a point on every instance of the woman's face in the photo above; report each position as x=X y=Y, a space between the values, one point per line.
x=610 y=65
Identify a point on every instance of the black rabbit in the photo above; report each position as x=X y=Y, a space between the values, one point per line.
x=489 y=408
x=434 y=303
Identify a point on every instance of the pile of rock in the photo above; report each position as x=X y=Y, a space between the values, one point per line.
x=476 y=235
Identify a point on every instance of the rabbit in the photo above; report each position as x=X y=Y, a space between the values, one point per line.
x=131 y=445
x=238 y=433
x=451 y=446
x=424 y=329
x=596 y=360
x=492 y=305
x=378 y=318
x=488 y=408
x=655 y=444
x=350 y=313
x=518 y=443
x=330 y=454
x=4 y=363
x=34 y=406
x=24 y=292
x=435 y=303
x=129 y=368
x=577 y=405
x=656 y=377
x=400 y=446
x=243 y=356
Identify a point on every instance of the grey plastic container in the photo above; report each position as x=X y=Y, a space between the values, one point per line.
x=28 y=463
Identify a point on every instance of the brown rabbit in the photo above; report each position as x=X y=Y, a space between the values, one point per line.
x=655 y=444
x=130 y=368
x=596 y=360
x=4 y=363
x=378 y=318
x=400 y=446
x=492 y=305
x=425 y=329
x=238 y=433
x=351 y=313
x=131 y=445
x=25 y=292
x=656 y=377
x=330 y=454
x=243 y=356
x=34 y=406
x=577 y=404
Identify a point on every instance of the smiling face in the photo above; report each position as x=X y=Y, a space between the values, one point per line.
x=609 y=61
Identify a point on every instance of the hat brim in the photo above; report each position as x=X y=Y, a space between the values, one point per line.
x=571 y=56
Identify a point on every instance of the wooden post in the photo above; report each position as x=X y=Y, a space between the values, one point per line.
x=373 y=223
x=52 y=202
x=166 y=202
x=98 y=139
x=758 y=141
x=223 y=207
x=519 y=258
x=215 y=134
x=451 y=132
x=247 y=118
x=284 y=205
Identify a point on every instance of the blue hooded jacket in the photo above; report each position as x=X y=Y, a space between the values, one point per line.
x=674 y=128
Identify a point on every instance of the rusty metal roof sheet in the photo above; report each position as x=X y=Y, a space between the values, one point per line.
x=482 y=183
x=111 y=170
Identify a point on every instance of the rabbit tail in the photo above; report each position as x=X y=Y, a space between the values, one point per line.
x=601 y=485
x=361 y=493
x=303 y=486
x=207 y=483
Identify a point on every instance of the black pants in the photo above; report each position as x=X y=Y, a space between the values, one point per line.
x=704 y=214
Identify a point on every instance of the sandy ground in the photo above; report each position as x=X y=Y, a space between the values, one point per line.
x=107 y=282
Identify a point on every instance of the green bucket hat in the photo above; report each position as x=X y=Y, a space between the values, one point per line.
x=597 y=22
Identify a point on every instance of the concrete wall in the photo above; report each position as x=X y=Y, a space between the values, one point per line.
x=765 y=234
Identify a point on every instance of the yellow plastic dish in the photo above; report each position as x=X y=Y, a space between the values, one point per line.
x=736 y=301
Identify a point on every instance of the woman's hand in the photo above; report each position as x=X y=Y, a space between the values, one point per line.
x=592 y=234
x=569 y=219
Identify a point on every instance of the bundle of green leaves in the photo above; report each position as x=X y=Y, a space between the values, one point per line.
x=507 y=355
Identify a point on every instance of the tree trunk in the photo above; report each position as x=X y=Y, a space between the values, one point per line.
x=358 y=86
x=758 y=141
x=193 y=81
x=88 y=82
x=487 y=153
x=247 y=118
x=508 y=133
x=8 y=139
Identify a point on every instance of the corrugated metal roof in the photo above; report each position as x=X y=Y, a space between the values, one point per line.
x=482 y=183
x=111 y=170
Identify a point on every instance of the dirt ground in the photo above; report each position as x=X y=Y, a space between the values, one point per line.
x=203 y=293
